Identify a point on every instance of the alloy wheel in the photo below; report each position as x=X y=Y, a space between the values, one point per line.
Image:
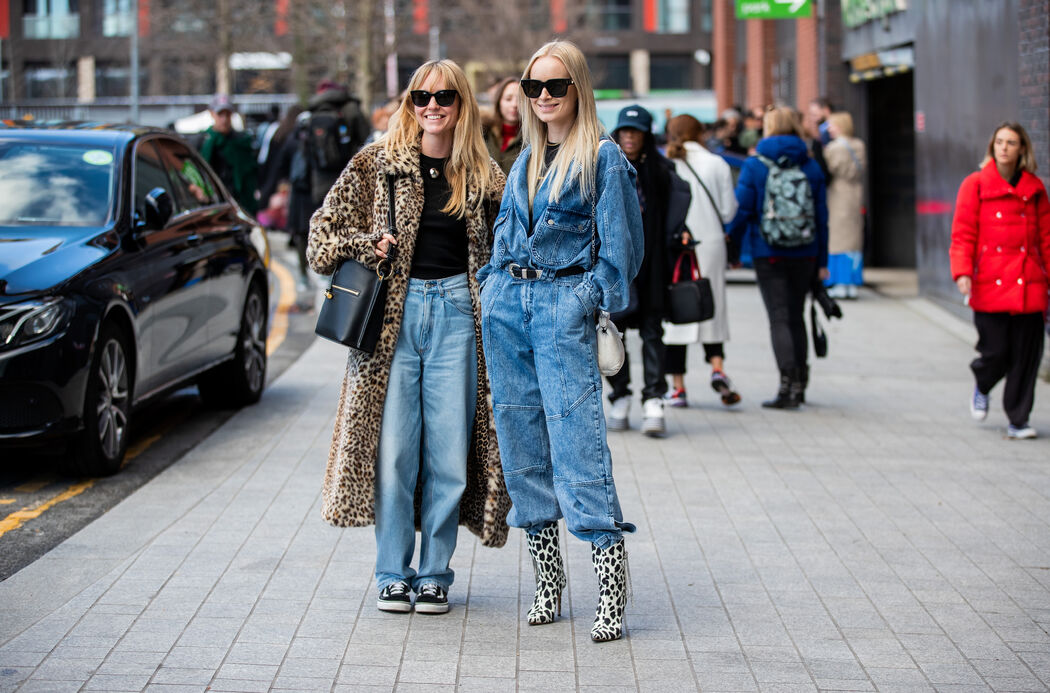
x=112 y=406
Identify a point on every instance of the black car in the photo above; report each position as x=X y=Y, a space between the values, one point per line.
x=126 y=270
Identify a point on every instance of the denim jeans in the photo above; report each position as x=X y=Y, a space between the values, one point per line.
x=784 y=283
x=541 y=354
x=427 y=423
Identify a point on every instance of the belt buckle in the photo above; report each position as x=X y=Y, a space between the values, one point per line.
x=519 y=272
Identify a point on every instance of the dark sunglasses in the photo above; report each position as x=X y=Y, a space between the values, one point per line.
x=445 y=97
x=557 y=88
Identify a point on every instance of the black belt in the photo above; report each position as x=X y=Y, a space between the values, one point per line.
x=519 y=272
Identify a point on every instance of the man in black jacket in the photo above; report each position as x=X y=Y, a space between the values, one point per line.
x=664 y=199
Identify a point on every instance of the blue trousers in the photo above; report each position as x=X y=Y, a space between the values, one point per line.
x=428 y=419
x=541 y=355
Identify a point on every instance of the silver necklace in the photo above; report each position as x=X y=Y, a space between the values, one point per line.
x=434 y=173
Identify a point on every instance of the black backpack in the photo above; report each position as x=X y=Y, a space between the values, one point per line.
x=330 y=141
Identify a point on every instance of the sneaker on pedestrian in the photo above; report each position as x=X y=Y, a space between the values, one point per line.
x=1022 y=432
x=395 y=597
x=721 y=384
x=618 y=414
x=677 y=398
x=432 y=598
x=979 y=405
x=653 y=417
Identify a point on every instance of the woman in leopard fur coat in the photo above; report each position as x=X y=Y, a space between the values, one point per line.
x=414 y=423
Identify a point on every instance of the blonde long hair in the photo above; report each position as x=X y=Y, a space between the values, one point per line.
x=578 y=155
x=1026 y=160
x=469 y=161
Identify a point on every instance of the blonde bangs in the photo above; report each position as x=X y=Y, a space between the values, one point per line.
x=577 y=157
x=468 y=163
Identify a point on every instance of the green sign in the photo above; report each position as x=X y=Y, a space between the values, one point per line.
x=773 y=9
x=857 y=12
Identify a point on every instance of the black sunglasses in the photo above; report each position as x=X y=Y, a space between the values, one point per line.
x=445 y=97
x=557 y=88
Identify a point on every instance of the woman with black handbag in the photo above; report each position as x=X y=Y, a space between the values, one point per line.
x=713 y=201
x=413 y=415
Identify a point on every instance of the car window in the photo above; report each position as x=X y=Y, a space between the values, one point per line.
x=52 y=184
x=193 y=187
x=149 y=174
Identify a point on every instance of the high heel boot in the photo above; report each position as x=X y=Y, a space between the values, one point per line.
x=550 y=575
x=610 y=565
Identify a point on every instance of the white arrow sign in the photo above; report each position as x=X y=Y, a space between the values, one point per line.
x=795 y=5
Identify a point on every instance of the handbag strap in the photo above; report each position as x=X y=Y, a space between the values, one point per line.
x=689 y=257
x=710 y=197
x=391 y=223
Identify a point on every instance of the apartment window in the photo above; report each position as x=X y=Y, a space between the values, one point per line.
x=49 y=82
x=707 y=22
x=672 y=16
x=610 y=71
x=608 y=15
x=117 y=18
x=670 y=71
x=51 y=19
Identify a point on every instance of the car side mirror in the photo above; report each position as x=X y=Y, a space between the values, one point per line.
x=159 y=208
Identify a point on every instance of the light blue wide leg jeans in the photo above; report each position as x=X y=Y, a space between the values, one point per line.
x=428 y=419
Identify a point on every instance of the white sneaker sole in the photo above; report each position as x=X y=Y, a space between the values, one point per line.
x=654 y=429
x=617 y=424
x=394 y=607
x=978 y=414
x=426 y=608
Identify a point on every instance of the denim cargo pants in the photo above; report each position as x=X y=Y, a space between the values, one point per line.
x=541 y=353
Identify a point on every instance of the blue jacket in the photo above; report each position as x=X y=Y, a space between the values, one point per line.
x=563 y=229
x=751 y=192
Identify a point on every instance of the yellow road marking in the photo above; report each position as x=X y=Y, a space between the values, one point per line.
x=279 y=327
x=6 y=501
x=20 y=517
x=34 y=485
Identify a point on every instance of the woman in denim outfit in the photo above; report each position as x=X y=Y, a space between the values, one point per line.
x=568 y=241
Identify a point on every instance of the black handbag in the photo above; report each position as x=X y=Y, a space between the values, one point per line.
x=355 y=301
x=689 y=298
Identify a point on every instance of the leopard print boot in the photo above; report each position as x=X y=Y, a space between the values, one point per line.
x=550 y=575
x=610 y=565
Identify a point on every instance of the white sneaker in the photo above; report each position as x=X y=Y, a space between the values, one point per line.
x=1024 y=432
x=618 y=415
x=653 y=417
x=979 y=405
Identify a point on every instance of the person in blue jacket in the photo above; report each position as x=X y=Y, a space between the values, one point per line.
x=784 y=264
x=567 y=241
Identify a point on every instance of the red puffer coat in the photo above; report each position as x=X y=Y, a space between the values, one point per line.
x=1001 y=239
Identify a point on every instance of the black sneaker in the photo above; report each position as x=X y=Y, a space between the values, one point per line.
x=432 y=599
x=395 y=597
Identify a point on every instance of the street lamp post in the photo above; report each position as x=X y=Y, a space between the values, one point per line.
x=134 y=61
x=391 y=52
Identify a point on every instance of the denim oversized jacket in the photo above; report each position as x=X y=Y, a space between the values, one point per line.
x=563 y=229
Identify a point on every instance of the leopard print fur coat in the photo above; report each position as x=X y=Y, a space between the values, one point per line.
x=348 y=225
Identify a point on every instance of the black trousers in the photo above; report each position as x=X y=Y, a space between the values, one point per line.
x=1010 y=346
x=784 y=283
x=674 y=356
x=651 y=331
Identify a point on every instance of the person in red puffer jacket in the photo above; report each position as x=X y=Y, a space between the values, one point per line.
x=1000 y=259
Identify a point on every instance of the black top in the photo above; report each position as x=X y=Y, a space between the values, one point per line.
x=549 y=153
x=441 y=245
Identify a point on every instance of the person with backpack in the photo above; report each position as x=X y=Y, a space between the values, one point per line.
x=783 y=216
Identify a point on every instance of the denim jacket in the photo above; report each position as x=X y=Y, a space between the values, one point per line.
x=563 y=229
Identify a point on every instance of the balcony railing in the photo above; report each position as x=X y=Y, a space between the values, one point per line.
x=51 y=26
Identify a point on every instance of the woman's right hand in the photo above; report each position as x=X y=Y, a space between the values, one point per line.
x=383 y=246
x=964 y=284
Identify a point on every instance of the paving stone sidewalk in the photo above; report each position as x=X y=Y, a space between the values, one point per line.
x=879 y=540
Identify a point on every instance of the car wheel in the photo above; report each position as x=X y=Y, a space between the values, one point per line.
x=241 y=381
x=107 y=407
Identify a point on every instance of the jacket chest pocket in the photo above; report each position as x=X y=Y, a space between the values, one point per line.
x=560 y=234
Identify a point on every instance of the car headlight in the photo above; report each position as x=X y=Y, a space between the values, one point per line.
x=22 y=323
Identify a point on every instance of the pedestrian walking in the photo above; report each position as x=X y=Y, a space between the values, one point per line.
x=503 y=131
x=713 y=201
x=1000 y=259
x=414 y=419
x=568 y=240
x=230 y=154
x=663 y=198
x=847 y=161
x=783 y=216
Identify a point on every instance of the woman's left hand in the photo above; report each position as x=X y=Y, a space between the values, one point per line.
x=823 y=273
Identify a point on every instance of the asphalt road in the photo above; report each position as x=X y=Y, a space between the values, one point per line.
x=40 y=506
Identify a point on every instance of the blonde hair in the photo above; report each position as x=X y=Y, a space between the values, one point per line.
x=781 y=120
x=1026 y=161
x=843 y=121
x=469 y=162
x=681 y=129
x=577 y=156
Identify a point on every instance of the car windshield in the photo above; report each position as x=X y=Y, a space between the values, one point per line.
x=55 y=184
